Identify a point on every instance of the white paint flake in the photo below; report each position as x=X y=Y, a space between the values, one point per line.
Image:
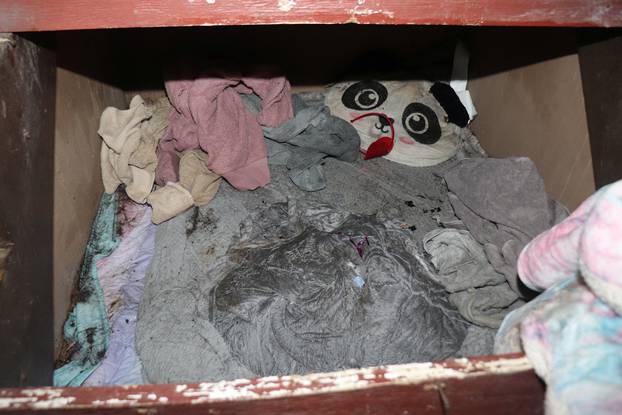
x=286 y=5
x=53 y=403
x=357 y=11
x=12 y=402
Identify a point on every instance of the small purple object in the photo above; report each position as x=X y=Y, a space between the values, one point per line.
x=360 y=244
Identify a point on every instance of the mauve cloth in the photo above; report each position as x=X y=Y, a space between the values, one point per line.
x=208 y=113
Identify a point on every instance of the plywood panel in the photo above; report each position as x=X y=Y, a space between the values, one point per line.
x=538 y=111
x=36 y=15
x=77 y=177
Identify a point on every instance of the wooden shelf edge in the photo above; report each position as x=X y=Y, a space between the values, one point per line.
x=488 y=384
x=46 y=15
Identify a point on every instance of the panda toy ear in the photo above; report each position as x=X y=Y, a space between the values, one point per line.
x=447 y=97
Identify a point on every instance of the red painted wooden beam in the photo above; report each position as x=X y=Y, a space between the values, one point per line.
x=486 y=385
x=44 y=15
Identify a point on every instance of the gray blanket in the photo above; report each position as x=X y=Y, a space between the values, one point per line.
x=188 y=332
x=504 y=205
x=319 y=290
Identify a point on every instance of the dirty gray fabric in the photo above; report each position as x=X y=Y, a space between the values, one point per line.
x=304 y=141
x=461 y=261
x=464 y=270
x=486 y=306
x=504 y=205
x=478 y=341
x=290 y=304
x=175 y=338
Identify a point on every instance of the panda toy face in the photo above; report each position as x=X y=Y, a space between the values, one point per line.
x=423 y=134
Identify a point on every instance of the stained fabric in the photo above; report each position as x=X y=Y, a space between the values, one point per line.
x=304 y=141
x=208 y=113
x=504 y=205
x=121 y=275
x=87 y=327
x=481 y=294
x=128 y=152
x=572 y=332
x=177 y=339
x=293 y=305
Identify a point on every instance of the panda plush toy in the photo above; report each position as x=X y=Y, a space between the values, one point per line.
x=425 y=117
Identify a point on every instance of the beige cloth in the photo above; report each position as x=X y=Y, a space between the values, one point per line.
x=169 y=201
x=197 y=186
x=128 y=156
x=130 y=138
x=195 y=177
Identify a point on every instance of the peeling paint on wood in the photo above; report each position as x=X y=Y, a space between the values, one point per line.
x=43 y=15
x=433 y=384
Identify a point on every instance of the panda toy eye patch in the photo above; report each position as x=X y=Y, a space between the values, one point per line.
x=364 y=95
x=421 y=123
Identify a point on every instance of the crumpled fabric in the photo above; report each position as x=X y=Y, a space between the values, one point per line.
x=480 y=293
x=504 y=205
x=301 y=298
x=304 y=141
x=208 y=113
x=128 y=152
x=87 y=326
x=197 y=186
x=169 y=201
x=175 y=338
x=195 y=177
x=121 y=276
x=572 y=332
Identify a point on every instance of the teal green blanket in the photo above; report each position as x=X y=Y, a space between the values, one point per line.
x=87 y=326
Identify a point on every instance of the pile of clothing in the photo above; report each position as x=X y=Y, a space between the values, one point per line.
x=280 y=280
x=213 y=127
x=279 y=250
x=499 y=206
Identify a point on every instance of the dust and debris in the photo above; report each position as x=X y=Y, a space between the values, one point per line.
x=204 y=220
x=90 y=334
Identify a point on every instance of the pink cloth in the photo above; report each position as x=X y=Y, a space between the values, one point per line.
x=208 y=113
x=589 y=241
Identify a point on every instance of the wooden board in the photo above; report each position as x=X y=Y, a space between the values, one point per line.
x=80 y=100
x=40 y=15
x=27 y=91
x=531 y=104
x=601 y=66
x=488 y=385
